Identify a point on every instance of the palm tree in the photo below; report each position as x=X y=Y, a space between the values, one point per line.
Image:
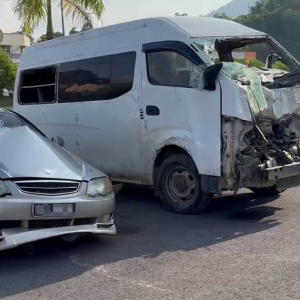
x=32 y=12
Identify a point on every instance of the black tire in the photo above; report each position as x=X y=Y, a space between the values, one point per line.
x=265 y=192
x=180 y=186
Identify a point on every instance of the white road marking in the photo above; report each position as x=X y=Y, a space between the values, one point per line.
x=101 y=269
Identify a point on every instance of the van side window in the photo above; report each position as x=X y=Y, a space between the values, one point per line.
x=97 y=78
x=38 y=86
x=169 y=68
x=68 y=82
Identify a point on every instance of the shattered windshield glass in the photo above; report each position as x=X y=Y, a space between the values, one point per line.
x=264 y=56
x=9 y=121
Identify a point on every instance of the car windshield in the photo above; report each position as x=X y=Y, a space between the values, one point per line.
x=258 y=53
x=10 y=121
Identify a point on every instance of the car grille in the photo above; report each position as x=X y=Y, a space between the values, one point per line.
x=10 y=224
x=44 y=224
x=84 y=221
x=48 y=187
x=40 y=224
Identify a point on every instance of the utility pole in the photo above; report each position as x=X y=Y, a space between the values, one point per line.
x=62 y=17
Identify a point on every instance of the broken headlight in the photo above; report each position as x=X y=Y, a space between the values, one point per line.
x=3 y=189
x=99 y=187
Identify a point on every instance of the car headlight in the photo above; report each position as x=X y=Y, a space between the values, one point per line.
x=99 y=187
x=3 y=189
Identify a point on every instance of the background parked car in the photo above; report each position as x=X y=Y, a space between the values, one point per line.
x=46 y=191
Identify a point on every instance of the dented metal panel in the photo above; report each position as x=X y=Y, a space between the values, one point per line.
x=184 y=121
x=286 y=101
x=283 y=171
x=234 y=100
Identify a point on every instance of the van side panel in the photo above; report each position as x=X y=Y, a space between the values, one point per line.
x=188 y=118
x=111 y=134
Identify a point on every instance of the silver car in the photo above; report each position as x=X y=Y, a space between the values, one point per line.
x=46 y=191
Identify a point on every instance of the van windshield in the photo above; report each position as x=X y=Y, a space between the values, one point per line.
x=260 y=54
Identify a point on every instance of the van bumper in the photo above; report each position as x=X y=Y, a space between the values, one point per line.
x=284 y=177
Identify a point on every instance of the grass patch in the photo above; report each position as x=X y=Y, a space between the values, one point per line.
x=6 y=103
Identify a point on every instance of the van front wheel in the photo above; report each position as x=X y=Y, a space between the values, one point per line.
x=181 y=186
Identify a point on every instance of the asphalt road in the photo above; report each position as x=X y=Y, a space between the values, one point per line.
x=243 y=247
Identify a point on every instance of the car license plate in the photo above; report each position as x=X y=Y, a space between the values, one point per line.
x=54 y=210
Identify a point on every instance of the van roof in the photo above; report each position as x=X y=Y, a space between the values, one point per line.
x=212 y=27
x=193 y=27
x=186 y=26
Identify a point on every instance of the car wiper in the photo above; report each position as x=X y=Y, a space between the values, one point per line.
x=288 y=80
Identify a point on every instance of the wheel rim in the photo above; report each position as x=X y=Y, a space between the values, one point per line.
x=182 y=186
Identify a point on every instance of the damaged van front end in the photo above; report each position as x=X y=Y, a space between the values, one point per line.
x=260 y=113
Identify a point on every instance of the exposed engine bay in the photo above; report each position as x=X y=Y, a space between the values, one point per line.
x=251 y=148
x=272 y=140
x=265 y=152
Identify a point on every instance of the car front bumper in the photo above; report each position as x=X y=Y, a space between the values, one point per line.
x=15 y=237
x=19 y=224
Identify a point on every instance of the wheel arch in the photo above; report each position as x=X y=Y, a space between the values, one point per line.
x=209 y=184
x=161 y=155
x=167 y=151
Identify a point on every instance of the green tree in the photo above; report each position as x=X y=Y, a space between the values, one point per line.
x=73 y=30
x=223 y=16
x=8 y=71
x=278 y=18
x=281 y=66
x=87 y=26
x=32 y=12
x=181 y=15
x=43 y=38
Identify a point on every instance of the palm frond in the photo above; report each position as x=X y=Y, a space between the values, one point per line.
x=30 y=12
x=82 y=11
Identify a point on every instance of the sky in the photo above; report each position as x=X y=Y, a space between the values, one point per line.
x=116 y=11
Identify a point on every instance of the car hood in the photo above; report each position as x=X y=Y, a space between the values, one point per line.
x=26 y=154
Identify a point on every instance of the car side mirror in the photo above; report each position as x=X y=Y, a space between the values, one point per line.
x=210 y=76
x=58 y=140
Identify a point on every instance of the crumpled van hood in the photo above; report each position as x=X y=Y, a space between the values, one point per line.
x=26 y=154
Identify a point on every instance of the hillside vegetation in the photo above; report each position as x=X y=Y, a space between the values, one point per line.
x=279 y=18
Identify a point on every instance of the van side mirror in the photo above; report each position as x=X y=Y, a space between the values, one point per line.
x=58 y=140
x=210 y=76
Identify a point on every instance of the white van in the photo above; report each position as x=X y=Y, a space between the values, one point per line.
x=147 y=103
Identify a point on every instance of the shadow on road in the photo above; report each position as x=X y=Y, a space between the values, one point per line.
x=145 y=229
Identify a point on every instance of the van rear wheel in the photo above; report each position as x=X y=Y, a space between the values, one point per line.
x=181 y=186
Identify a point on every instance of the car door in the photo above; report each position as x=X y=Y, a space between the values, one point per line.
x=174 y=112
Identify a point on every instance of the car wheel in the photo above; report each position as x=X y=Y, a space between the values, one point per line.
x=180 y=186
x=264 y=192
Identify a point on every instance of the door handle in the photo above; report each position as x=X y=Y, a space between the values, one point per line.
x=152 y=110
